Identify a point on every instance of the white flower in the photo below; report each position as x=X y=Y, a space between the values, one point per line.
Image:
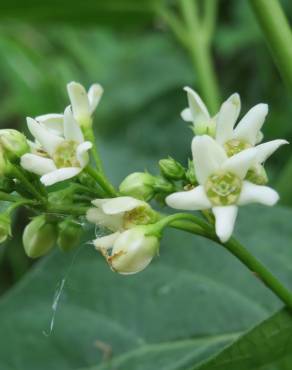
x=56 y=157
x=130 y=251
x=118 y=214
x=222 y=185
x=84 y=103
x=198 y=114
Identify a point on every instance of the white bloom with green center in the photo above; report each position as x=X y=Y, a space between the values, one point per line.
x=56 y=157
x=84 y=103
x=222 y=185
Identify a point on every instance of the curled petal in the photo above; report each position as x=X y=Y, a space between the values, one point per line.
x=47 y=139
x=252 y=193
x=264 y=151
x=81 y=153
x=60 y=174
x=191 y=200
x=52 y=121
x=249 y=127
x=225 y=220
x=186 y=115
x=198 y=109
x=37 y=164
x=72 y=130
x=95 y=93
x=106 y=242
x=227 y=117
x=98 y=217
x=79 y=100
x=120 y=204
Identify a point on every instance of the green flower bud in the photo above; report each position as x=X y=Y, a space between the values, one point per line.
x=14 y=143
x=139 y=185
x=39 y=237
x=171 y=169
x=69 y=234
x=5 y=227
x=190 y=173
x=257 y=175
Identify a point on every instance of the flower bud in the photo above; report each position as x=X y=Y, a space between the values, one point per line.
x=139 y=185
x=5 y=227
x=132 y=250
x=257 y=175
x=190 y=173
x=69 y=234
x=14 y=143
x=171 y=169
x=39 y=237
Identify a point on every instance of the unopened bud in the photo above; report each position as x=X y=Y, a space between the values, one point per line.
x=190 y=173
x=132 y=250
x=14 y=143
x=257 y=175
x=5 y=227
x=39 y=237
x=69 y=234
x=171 y=169
x=139 y=185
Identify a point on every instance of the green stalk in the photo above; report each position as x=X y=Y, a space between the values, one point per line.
x=102 y=181
x=200 y=53
x=67 y=210
x=278 y=35
x=198 y=226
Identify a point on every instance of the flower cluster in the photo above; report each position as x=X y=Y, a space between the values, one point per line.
x=226 y=171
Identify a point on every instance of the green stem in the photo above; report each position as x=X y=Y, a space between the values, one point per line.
x=67 y=210
x=239 y=251
x=200 y=53
x=17 y=173
x=9 y=197
x=102 y=181
x=89 y=135
x=277 y=32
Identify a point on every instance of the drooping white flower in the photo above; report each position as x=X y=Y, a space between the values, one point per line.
x=84 y=103
x=56 y=157
x=130 y=251
x=222 y=184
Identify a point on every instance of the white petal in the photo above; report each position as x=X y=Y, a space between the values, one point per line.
x=249 y=127
x=208 y=157
x=99 y=202
x=98 y=217
x=240 y=163
x=60 y=174
x=47 y=139
x=227 y=117
x=186 y=115
x=106 y=242
x=264 y=151
x=252 y=193
x=191 y=200
x=52 y=121
x=81 y=153
x=94 y=95
x=79 y=100
x=72 y=130
x=120 y=205
x=198 y=109
x=225 y=220
x=37 y=164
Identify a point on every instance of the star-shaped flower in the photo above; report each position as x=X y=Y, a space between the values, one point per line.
x=222 y=185
x=59 y=154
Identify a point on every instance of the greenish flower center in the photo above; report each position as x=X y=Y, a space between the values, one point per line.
x=223 y=189
x=65 y=154
x=257 y=175
x=235 y=146
x=142 y=215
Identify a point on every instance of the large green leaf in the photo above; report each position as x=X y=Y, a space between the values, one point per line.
x=192 y=302
x=267 y=343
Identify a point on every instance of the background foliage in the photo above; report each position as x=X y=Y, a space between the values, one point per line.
x=194 y=300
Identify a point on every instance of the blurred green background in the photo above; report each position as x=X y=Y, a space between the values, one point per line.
x=142 y=68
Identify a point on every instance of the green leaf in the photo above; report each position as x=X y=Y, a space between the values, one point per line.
x=267 y=343
x=193 y=301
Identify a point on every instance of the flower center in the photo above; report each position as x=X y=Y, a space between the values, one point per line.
x=223 y=189
x=235 y=146
x=65 y=154
x=139 y=216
